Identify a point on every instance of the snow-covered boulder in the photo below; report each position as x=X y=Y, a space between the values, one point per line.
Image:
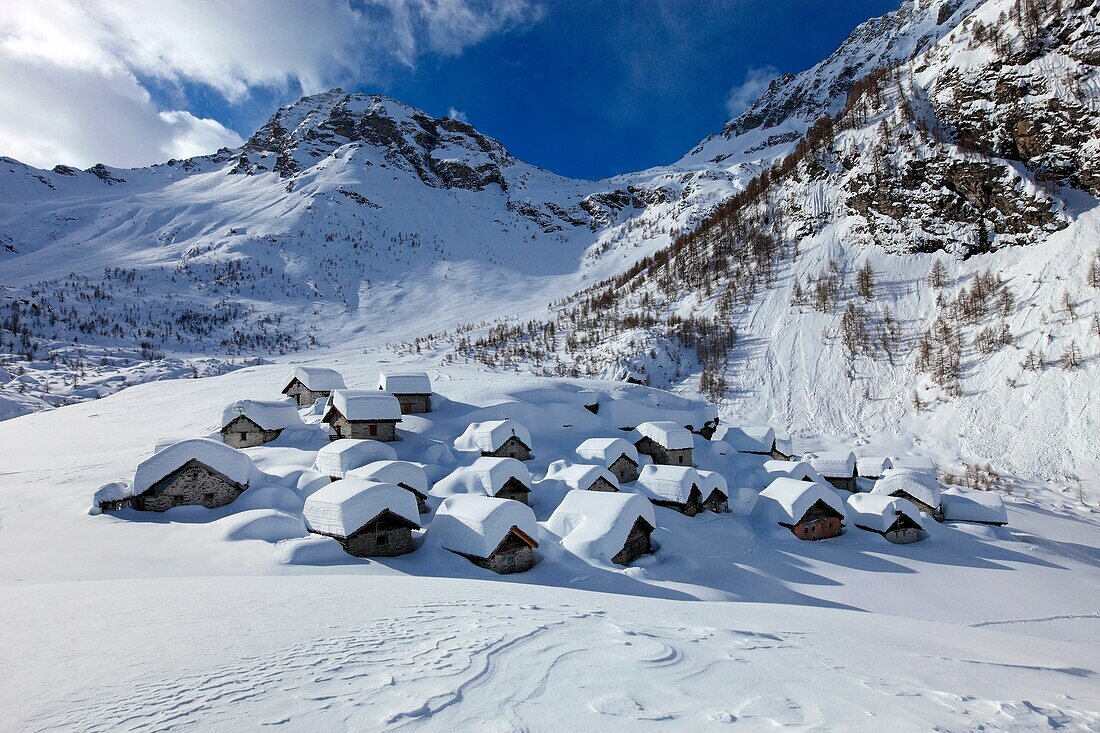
x=981 y=507
x=598 y=525
x=346 y=454
x=344 y=507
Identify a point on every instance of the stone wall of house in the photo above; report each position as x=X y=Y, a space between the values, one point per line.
x=602 y=484
x=844 y=483
x=904 y=536
x=818 y=529
x=241 y=432
x=375 y=541
x=665 y=456
x=624 y=469
x=693 y=506
x=511 y=560
x=362 y=429
x=421 y=499
x=637 y=543
x=514 y=490
x=717 y=502
x=303 y=396
x=512 y=448
x=414 y=403
x=195 y=484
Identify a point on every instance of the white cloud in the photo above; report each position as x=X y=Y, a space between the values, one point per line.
x=457 y=114
x=744 y=94
x=99 y=50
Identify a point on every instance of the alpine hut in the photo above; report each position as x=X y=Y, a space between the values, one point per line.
x=871 y=467
x=838 y=468
x=583 y=477
x=919 y=488
x=811 y=511
x=502 y=478
x=675 y=487
x=496 y=534
x=199 y=471
x=306 y=385
x=756 y=439
x=362 y=413
x=915 y=464
x=499 y=439
x=413 y=390
x=665 y=442
x=716 y=496
x=341 y=456
x=609 y=528
x=367 y=518
x=798 y=470
x=408 y=476
x=618 y=456
x=896 y=519
x=979 y=507
x=248 y=423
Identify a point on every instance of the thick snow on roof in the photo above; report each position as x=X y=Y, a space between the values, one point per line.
x=879 y=512
x=596 y=524
x=668 y=483
x=232 y=463
x=580 y=475
x=799 y=470
x=491 y=435
x=345 y=506
x=960 y=505
x=268 y=414
x=920 y=486
x=833 y=465
x=748 y=438
x=366 y=404
x=923 y=464
x=113 y=491
x=486 y=477
x=607 y=450
x=787 y=500
x=711 y=480
x=393 y=472
x=405 y=383
x=345 y=454
x=318 y=379
x=476 y=525
x=667 y=433
x=872 y=466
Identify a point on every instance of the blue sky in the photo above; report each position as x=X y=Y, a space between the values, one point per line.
x=583 y=88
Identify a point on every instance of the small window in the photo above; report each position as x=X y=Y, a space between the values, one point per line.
x=383 y=539
x=679 y=459
x=244 y=435
x=372 y=430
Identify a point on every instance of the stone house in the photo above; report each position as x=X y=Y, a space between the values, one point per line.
x=715 y=492
x=755 y=439
x=408 y=476
x=811 y=511
x=413 y=390
x=920 y=488
x=362 y=414
x=306 y=385
x=503 y=478
x=340 y=457
x=249 y=423
x=500 y=439
x=495 y=534
x=199 y=471
x=839 y=468
x=800 y=470
x=978 y=507
x=674 y=487
x=583 y=477
x=618 y=456
x=897 y=520
x=367 y=518
x=665 y=442
x=608 y=527
x=871 y=467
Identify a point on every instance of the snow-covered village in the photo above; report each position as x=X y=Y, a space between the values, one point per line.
x=512 y=365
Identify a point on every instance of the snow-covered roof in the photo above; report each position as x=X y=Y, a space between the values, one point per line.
x=230 y=462
x=914 y=463
x=366 y=404
x=832 y=464
x=668 y=483
x=268 y=414
x=345 y=454
x=799 y=470
x=748 y=438
x=872 y=466
x=711 y=480
x=490 y=436
x=344 y=506
x=960 y=505
x=114 y=491
x=485 y=477
x=878 y=512
x=787 y=500
x=667 y=434
x=919 y=486
x=405 y=383
x=580 y=475
x=317 y=379
x=595 y=524
x=393 y=472
x=476 y=525
x=607 y=450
